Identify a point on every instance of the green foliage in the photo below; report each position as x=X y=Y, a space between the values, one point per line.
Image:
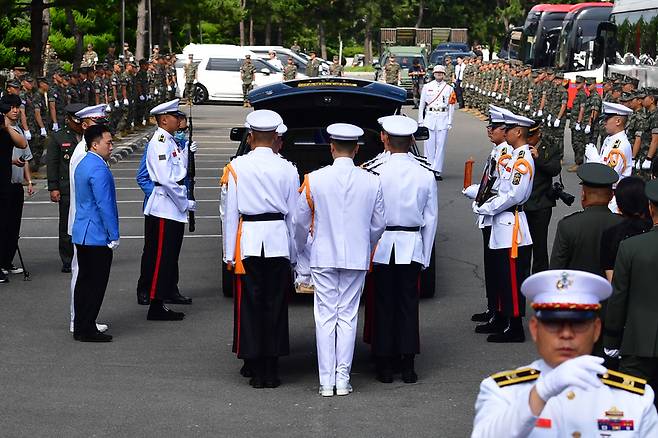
x=7 y=56
x=349 y=51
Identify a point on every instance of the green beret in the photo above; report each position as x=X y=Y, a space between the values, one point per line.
x=597 y=175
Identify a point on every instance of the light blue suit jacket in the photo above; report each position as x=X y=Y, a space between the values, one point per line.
x=96 y=216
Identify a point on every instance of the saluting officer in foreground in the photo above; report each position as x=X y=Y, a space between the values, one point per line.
x=341 y=207
x=260 y=196
x=166 y=211
x=567 y=392
x=410 y=196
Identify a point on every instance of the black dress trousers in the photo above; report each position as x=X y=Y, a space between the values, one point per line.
x=94 y=263
x=163 y=239
x=510 y=273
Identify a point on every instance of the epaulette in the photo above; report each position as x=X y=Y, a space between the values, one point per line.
x=372 y=171
x=375 y=166
x=508 y=378
x=623 y=381
x=616 y=144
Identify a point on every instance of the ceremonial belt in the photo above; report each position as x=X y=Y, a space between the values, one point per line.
x=263 y=217
x=437 y=110
x=180 y=183
x=516 y=208
x=401 y=228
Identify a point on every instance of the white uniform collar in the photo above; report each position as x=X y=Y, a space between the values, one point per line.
x=620 y=134
x=344 y=161
x=262 y=150
x=400 y=156
x=167 y=135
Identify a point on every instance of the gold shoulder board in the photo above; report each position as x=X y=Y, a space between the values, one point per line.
x=508 y=378
x=623 y=381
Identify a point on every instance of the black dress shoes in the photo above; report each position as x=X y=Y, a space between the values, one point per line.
x=271 y=379
x=385 y=369
x=482 y=317
x=496 y=324
x=178 y=299
x=92 y=337
x=159 y=312
x=408 y=373
x=245 y=371
x=512 y=333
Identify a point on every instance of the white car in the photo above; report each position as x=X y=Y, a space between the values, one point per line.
x=218 y=76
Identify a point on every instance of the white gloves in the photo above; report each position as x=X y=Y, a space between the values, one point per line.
x=557 y=123
x=193 y=147
x=113 y=245
x=588 y=129
x=507 y=100
x=43 y=132
x=156 y=92
x=55 y=127
x=108 y=108
x=611 y=352
x=580 y=372
x=125 y=102
x=449 y=127
x=591 y=154
x=191 y=205
x=548 y=118
x=534 y=114
x=28 y=135
x=116 y=103
x=168 y=87
x=527 y=107
x=471 y=191
x=142 y=98
x=577 y=127
x=646 y=164
x=540 y=113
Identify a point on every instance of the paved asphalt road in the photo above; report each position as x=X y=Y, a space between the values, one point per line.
x=181 y=379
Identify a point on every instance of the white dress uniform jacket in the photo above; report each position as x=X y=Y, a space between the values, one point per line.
x=436 y=99
x=616 y=152
x=504 y=411
x=344 y=205
x=166 y=165
x=78 y=154
x=263 y=183
x=498 y=152
x=410 y=200
x=514 y=187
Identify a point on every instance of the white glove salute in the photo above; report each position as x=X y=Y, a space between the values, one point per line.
x=191 y=205
x=591 y=153
x=557 y=123
x=125 y=101
x=646 y=164
x=580 y=372
x=28 y=135
x=588 y=129
x=113 y=245
x=471 y=191
x=193 y=147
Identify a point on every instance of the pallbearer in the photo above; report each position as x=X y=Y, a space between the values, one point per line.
x=410 y=197
x=261 y=192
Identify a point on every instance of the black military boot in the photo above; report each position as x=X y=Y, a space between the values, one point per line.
x=159 y=312
x=258 y=370
x=496 y=324
x=245 y=371
x=482 y=317
x=512 y=333
x=408 y=373
x=385 y=369
x=272 y=372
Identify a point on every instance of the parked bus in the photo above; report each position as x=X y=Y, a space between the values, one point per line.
x=538 y=43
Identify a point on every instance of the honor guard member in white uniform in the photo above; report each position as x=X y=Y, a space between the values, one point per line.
x=567 y=392
x=480 y=193
x=166 y=211
x=437 y=105
x=90 y=115
x=616 y=150
x=410 y=196
x=341 y=206
x=261 y=193
x=510 y=240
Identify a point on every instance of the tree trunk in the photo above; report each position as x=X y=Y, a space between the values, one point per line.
x=420 y=13
x=322 y=40
x=140 y=42
x=166 y=32
x=36 y=42
x=279 y=38
x=45 y=31
x=77 y=35
x=252 y=40
x=268 y=31
x=243 y=5
x=367 y=44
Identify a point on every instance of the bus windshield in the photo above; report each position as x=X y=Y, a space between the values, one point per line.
x=577 y=40
x=637 y=34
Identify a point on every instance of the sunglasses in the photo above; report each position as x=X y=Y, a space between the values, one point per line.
x=556 y=326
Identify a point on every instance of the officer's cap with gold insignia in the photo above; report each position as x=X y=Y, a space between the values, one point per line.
x=497 y=115
x=399 y=126
x=566 y=294
x=615 y=109
x=512 y=119
x=170 y=107
x=96 y=112
x=263 y=120
x=345 y=131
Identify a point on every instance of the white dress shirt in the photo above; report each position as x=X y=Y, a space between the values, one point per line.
x=410 y=200
x=347 y=216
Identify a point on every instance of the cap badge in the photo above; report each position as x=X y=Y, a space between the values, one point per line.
x=565 y=282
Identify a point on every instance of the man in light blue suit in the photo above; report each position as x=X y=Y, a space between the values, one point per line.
x=95 y=232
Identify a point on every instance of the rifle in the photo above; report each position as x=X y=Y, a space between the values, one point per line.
x=191 y=172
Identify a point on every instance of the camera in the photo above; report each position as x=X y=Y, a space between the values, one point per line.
x=557 y=192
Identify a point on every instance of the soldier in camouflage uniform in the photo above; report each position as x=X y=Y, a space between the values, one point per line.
x=30 y=99
x=336 y=69
x=99 y=86
x=71 y=82
x=652 y=126
x=171 y=77
x=160 y=81
x=640 y=153
x=128 y=90
x=142 y=91
x=392 y=72
x=450 y=70
x=555 y=112
x=248 y=76
x=313 y=65
x=190 y=77
x=577 y=116
x=635 y=123
x=89 y=58
x=57 y=101
x=85 y=87
x=289 y=70
x=114 y=95
x=592 y=112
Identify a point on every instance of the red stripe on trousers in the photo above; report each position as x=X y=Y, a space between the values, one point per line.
x=515 y=286
x=158 y=258
x=238 y=297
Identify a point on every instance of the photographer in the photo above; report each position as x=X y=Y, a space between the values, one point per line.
x=539 y=207
x=10 y=136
